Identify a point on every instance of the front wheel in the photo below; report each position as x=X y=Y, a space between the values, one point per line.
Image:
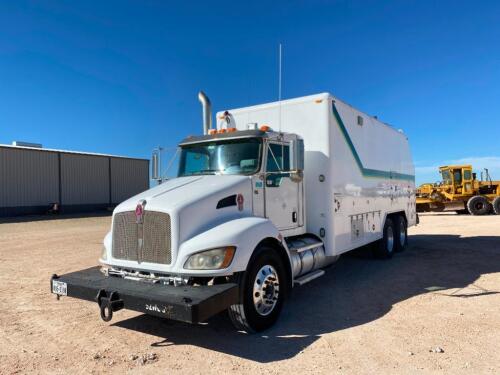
x=262 y=292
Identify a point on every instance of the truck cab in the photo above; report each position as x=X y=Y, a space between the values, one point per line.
x=271 y=161
x=457 y=179
x=237 y=191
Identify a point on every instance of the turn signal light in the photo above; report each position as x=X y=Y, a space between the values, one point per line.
x=265 y=128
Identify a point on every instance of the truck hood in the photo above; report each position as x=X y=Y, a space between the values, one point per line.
x=174 y=194
x=192 y=205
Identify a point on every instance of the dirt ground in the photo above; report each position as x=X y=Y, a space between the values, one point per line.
x=363 y=316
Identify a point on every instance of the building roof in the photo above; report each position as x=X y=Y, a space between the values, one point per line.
x=67 y=152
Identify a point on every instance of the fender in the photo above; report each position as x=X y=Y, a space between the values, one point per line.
x=244 y=233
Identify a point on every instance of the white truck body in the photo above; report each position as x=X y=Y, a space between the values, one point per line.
x=368 y=170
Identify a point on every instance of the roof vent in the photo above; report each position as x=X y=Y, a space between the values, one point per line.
x=26 y=144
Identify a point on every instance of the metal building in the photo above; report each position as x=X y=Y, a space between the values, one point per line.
x=33 y=179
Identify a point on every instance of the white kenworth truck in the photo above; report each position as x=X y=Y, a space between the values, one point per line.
x=262 y=202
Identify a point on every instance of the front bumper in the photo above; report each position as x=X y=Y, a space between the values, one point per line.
x=191 y=304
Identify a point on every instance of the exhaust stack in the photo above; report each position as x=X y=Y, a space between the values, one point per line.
x=207 y=111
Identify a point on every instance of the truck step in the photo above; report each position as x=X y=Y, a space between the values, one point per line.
x=308 y=277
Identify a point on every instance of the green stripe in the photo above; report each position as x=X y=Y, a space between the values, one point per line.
x=367 y=172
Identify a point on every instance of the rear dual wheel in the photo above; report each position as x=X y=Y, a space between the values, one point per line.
x=401 y=233
x=394 y=239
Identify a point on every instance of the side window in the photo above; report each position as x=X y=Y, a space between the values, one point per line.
x=278 y=158
x=457 y=176
x=467 y=174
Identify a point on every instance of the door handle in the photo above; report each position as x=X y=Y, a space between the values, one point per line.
x=294 y=216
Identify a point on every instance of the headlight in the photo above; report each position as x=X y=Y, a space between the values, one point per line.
x=104 y=253
x=213 y=259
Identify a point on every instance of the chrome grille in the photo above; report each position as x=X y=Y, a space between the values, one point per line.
x=154 y=234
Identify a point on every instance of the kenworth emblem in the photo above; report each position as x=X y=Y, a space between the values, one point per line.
x=139 y=211
x=240 y=201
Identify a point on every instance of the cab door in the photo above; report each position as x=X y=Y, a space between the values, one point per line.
x=467 y=181
x=281 y=193
x=457 y=181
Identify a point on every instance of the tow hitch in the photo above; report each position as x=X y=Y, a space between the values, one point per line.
x=108 y=304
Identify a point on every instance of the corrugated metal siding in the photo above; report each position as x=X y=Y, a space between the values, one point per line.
x=128 y=178
x=28 y=178
x=31 y=180
x=84 y=179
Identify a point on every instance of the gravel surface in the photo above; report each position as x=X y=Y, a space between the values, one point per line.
x=433 y=309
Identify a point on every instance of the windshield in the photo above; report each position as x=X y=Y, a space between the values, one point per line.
x=237 y=156
x=446 y=177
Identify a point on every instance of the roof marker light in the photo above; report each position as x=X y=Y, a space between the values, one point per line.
x=221 y=131
x=265 y=128
x=231 y=130
x=212 y=131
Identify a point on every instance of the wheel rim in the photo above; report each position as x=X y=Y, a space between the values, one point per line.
x=390 y=239
x=266 y=290
x=402 y=233
x=479 y=205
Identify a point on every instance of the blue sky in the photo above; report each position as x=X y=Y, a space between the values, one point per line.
x=122 y=77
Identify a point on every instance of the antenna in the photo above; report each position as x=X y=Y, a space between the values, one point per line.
x=279 y=85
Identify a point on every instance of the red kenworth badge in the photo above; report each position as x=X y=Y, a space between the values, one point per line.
x=139 y=211
x=240 y=201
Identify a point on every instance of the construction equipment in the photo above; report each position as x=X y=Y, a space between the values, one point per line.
x=460 y=191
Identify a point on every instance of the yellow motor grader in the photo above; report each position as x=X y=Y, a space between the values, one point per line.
x=460 y=191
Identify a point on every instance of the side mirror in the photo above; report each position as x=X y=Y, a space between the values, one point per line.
x=297 y=155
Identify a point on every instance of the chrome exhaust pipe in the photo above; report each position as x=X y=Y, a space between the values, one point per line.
x=207 y=111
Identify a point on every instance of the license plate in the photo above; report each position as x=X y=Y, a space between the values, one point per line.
x=59 y=287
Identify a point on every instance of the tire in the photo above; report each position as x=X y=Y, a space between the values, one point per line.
x=384 y=249
x=496 y=206
x=401 y=234
x=478 y=205
x=265 y=266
